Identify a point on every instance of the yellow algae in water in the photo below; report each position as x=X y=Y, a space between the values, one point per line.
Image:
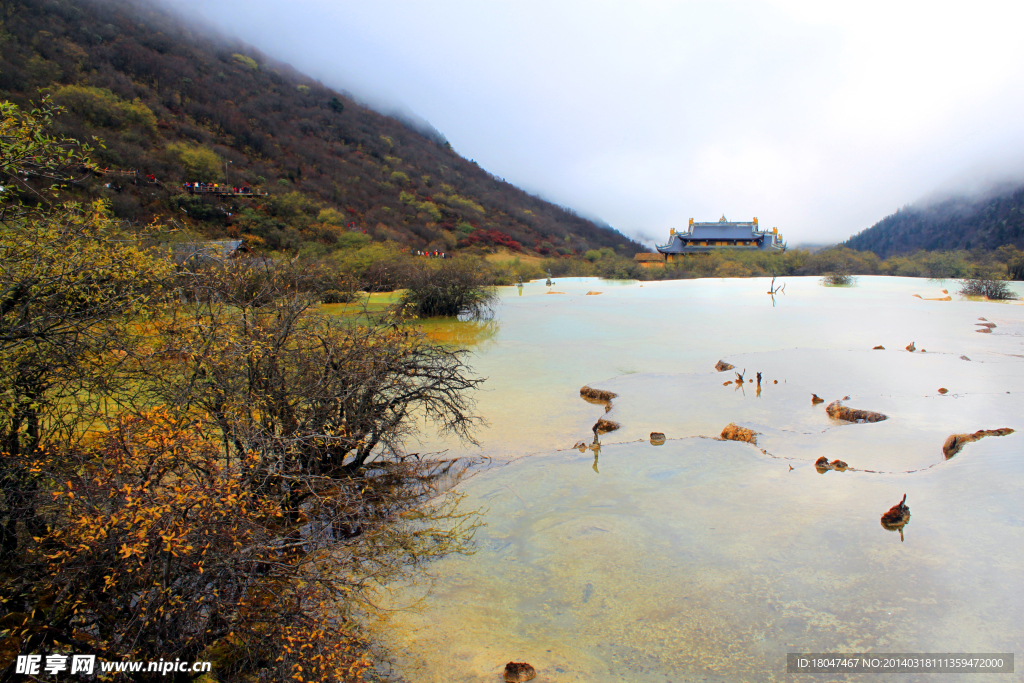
x=462 y=333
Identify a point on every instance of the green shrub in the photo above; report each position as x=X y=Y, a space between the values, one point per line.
x=247 y=62
x=838 y=280
x=997 y=290
x=201 y=163
x=103 y=108
x=449 y=287
x=334 y=296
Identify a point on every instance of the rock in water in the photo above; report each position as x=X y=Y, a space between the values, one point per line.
x=897 y=516
x=733 y=432
x=596 y=394
x=604 y=426
x=519 y=672
x=815 y=399
x=838 y=411
x=822 y=465
x=911 y=347
x=839 y=465
x=657 y=438
x=943 y=390
x=722 y=366
x=878 y=348
x=954 y=442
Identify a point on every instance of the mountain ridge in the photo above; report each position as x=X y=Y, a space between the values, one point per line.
x=986 y=222
x=178 y=103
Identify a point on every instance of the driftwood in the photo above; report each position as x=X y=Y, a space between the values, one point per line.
x=957 y=441
x=773 y=290
x=733 y=432
x=840 y=412
x=911 y=347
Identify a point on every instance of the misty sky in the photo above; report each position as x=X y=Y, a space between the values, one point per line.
x=817 y=117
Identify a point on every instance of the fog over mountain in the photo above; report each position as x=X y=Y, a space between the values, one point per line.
x=816 y=117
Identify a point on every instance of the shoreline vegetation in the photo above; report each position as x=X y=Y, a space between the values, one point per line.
x=196 y=462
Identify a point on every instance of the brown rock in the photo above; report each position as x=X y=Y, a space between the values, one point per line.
x=840 y=412
x=839 y=466
x=733 y=432
x=984 y=330
x=604 y=426
x=878 y=348
x=815 y=399
x=955 y=442
x=776 y=381
x=519 y=672
x=725 y=384
x=657 y=438
x=599 y=395
x=722 y=366
x=911 y=347
x=822 y=465
x=943 y=390
x=897 y=516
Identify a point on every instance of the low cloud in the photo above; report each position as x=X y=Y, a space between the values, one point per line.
x=818 y=118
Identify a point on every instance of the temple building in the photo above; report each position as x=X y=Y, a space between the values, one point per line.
x=702 y=238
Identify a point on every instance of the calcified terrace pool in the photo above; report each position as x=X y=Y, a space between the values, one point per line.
x=710 y=560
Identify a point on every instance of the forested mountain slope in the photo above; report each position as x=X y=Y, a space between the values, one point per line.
x=956 y=223
x=177 y=104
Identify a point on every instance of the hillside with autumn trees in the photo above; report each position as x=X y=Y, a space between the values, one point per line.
x=178 y=104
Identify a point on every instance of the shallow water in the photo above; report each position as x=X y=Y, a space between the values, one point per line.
x=708 y=560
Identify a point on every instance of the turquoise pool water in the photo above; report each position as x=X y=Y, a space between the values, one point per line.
x=703 y=559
